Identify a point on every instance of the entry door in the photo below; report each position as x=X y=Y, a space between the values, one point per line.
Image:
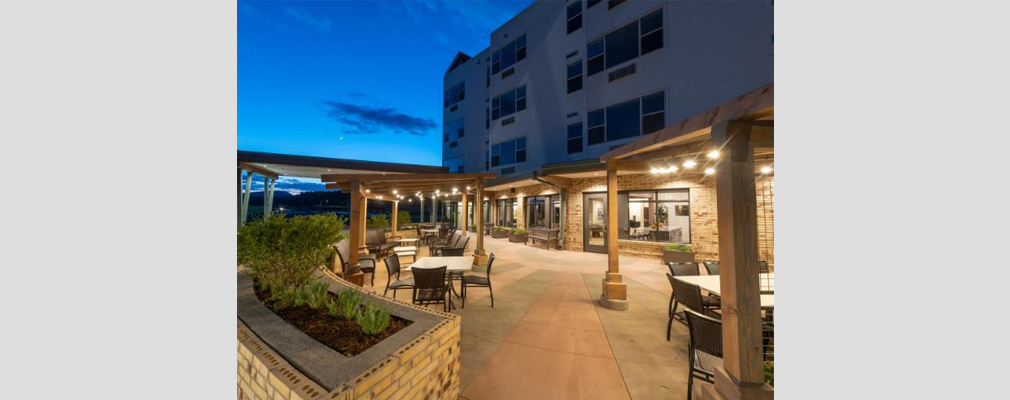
x=594 y=222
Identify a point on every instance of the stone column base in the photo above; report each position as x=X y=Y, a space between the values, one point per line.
x=480 y=259
x=728 y=388
x=616 y=305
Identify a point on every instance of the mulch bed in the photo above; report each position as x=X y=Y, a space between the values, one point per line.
x=336 y=332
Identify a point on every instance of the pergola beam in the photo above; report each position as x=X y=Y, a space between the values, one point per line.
x=259 y=170
x=446 y=177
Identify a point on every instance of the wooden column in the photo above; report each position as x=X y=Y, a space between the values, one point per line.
x=245 y=199
x=742 y=374
x=422 y=209
x=392 y=223
x=478 y=213
x=357 y=223
x=615 y=291
x=463 y=217
x=364 y=216
x=434 y=208
x=239 y=206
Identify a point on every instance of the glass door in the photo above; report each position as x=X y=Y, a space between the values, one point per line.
x=594 y=222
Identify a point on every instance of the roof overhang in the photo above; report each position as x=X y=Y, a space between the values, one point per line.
x=394 y=186
x=315 y=167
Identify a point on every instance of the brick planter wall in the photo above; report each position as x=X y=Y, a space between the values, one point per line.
x=427 y=367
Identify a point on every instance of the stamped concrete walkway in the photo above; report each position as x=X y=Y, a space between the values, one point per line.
x=548 y=338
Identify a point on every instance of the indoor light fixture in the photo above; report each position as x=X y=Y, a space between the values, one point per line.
x=690 y=163
x=709 y=171
x=713 y=154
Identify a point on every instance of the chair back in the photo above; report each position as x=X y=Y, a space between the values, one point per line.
x=429 y=284
x=712 y=267
x=392 y=266
x=706 y=337
x=443 y=232
x=764 y=267
x=451 y=251
x=462 y=242
x=687 y=294
x=343 y=252
x=662 y=236
x=490 y=261
x=683 y=269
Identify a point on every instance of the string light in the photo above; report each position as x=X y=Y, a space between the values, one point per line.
x=394 y=191
x=713 y=154
x=690 y=164
x=709 y=171
x=766 y=169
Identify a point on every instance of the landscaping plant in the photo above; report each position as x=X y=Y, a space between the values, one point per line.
x=518 y=232
x=770 y=373
x=678 y=247
x=499 y=229
x=282 y=253
x=348 y=301
x=403 y=217
x=377 y=221
x=373 y=319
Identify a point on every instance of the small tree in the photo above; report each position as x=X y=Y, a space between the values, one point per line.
x=283 y=252
x=403 y=217
x=377 y=221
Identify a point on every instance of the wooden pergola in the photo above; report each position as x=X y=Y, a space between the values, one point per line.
x=735 y=131
x=394 y=187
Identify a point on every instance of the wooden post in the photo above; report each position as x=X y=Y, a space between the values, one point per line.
x=478 y=212
x=364 y=216
x=434 y=208
x=422 y=209
x=239 y=206
x=742 y=374
x=357 y=221
x=392 y=224
x=463 y=217
x=615 y=291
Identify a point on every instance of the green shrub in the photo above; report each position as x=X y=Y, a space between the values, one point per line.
x=518 y=231
x=373 y=319
x=377 y=221
x=499 y=229
x=770 y=373
x=678 y=247
x=283 y=252
x=348 y=301
x=332 y=308
x=403 y=217
x=317 y=294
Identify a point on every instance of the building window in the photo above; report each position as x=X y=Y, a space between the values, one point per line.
x=614 y=3
x=626 y=43
x=511 y=53
x=543 y=212
x=454 y=164
x=508 y=103
x=652 y=31
x=487 y=118
x=454 y=94
x=575 y=138
x=591 y=3
x=453 y=131
x=655 y=215
x=487 y=160
x=631 y=118
x=507 y=209
x=575 y=76
x=508 y=152
x=574 y=16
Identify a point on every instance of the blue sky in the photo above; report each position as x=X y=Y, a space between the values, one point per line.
x=354 y=79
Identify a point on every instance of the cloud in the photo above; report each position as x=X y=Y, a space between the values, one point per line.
x=291 y=185
x=318 y=22
x=375 y=119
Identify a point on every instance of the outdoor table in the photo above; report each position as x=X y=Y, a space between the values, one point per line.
x=711 y=284
x=427 y=233
x=408 y=241
x=454 y=266
x=403 y=251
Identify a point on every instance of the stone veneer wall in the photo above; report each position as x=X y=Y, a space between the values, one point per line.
x=704 y=216
x=427 y=367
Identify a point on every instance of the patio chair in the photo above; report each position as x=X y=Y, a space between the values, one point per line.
x=393 y=268
x=442 y=239
x=457 y=248
x=430 y=287
x=378 y=243
x=678 y=269
x=366 y=262
x=479 y=281
x=712 y=267
x=451 y=252
x=454 y=241
x=689 y=294
x=704 y=350
x=764 y=267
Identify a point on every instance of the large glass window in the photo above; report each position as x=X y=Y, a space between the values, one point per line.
x=508 y=152
x=453 y=131
x=508 y=103
x=508 y=55
x=454 y=94
x=574 y=16
x=507 y=209
x=655 y=215
x=574 y=74
x=543 y=212
x=640 y=116
x=575 y=138
x=637 y=38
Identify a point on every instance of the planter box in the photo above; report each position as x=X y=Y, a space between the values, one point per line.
x=677 y=256
x=517 y=238
x=499 y=235
x=276 y=360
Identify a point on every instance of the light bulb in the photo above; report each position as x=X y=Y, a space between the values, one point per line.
x=713 y=154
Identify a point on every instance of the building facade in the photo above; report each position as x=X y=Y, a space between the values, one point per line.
x=563 y=83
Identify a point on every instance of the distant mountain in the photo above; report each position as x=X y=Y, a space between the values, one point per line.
x=278 y=194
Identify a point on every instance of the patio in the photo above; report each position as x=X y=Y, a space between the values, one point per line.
x=547 y=336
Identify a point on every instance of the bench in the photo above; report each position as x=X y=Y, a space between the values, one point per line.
x=548 y=236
